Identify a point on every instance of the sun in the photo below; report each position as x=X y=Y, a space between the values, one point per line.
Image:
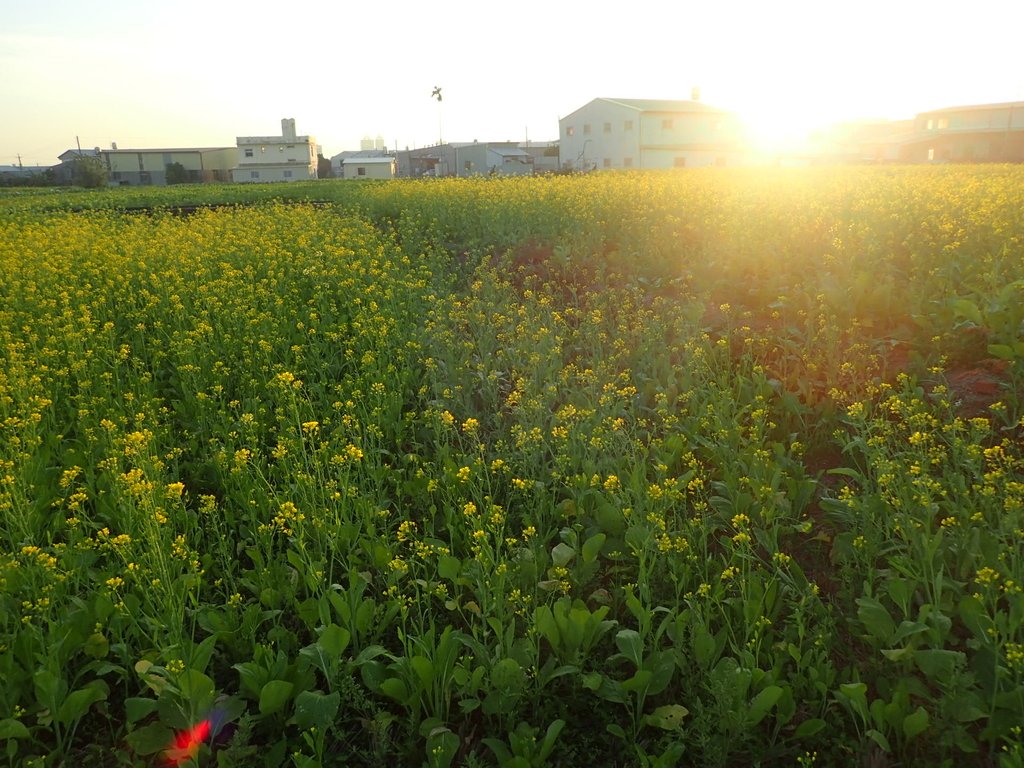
x=775 y=127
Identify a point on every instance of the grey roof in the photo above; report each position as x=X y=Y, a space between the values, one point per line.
x=367 y=160
x=510 y=151
x=1002 y=105
x=664 y=105
x=167 y=150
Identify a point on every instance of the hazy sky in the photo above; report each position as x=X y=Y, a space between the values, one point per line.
x=191 y=73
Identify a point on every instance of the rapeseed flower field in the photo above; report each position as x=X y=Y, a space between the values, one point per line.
x=710 y=468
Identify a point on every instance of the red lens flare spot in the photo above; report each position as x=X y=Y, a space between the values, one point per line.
x=186 y=744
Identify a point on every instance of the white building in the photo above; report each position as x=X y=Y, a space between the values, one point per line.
x=276 y=158
x=649 y=133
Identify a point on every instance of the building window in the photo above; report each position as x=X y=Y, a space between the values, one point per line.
x=627 y=162
x=679 y=162
x=931 y=152
x=280 y=148
x=254 y=174
x=943 y=123
x=607 y=162
x=607 y=127
x=570 y=131
x=586 y=128
x=248 y=153
x=667 y=123
x=361 y=171
x=628 y=125
x=288 y=174
x=931 y=125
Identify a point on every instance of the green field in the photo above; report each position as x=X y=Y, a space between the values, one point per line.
x=709 y=468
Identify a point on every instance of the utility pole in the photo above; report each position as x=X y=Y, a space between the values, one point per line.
x=79 y=146
x=19 y=161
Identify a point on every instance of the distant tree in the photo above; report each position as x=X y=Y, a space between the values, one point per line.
x=176 y=173
x=88 y=172
x=323 y=168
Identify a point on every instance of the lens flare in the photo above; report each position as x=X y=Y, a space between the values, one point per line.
x=186 y=744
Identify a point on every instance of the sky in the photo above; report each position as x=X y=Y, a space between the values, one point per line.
x=150 y=73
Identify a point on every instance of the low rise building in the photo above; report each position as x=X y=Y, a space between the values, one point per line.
x=132 y=167
x=368 y=167
x=649 y=133
x=288 y=157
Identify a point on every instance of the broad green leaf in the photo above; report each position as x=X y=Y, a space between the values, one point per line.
x=630 y=645
x=424 y=670
x=137 y=708
x=592 y=680
x=968 y=309
x=703 y=646
x=762 y=703
x=562 y=554
x=938 y=664
x=334 y=640
x=314 y=709
x=879 y=739
x=150 y=739
x=668 y=717
x=449 y=567
x=96 y=645
x=13 y=729
x=592 y=547
x=77 y=703
x=638 y=682
x=809 y=728
x=1002 y=351
x=875 y=618
x=507 y=675
x=274 y=696
x=394 y=688
x=915 y=722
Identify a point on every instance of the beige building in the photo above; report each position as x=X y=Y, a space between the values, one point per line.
x=982 y=133
x=287 y=157
x=368 y=167
x=131 y=167
x=649 y=133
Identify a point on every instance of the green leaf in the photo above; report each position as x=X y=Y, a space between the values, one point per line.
x=274 y=696
x=630 y=645
x=13 y=729
x=938 y=664
x=968 y=309
x=875 y=618
x=314 y=709
x=915 y=722
x=96 y=645
x=615 y=730
x=879 y=739
x=1002 y=351
x=507 y=675
x=449 y=567
x=150 y=739
x=762 y=703
x=395 y=689
x=703 y=646
x=424 y=670
x=334 y=640
x=592 y=547
x=138 y=708
x=809 y=728
x=562 y=554
x=77 y=703
x=668 y=717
